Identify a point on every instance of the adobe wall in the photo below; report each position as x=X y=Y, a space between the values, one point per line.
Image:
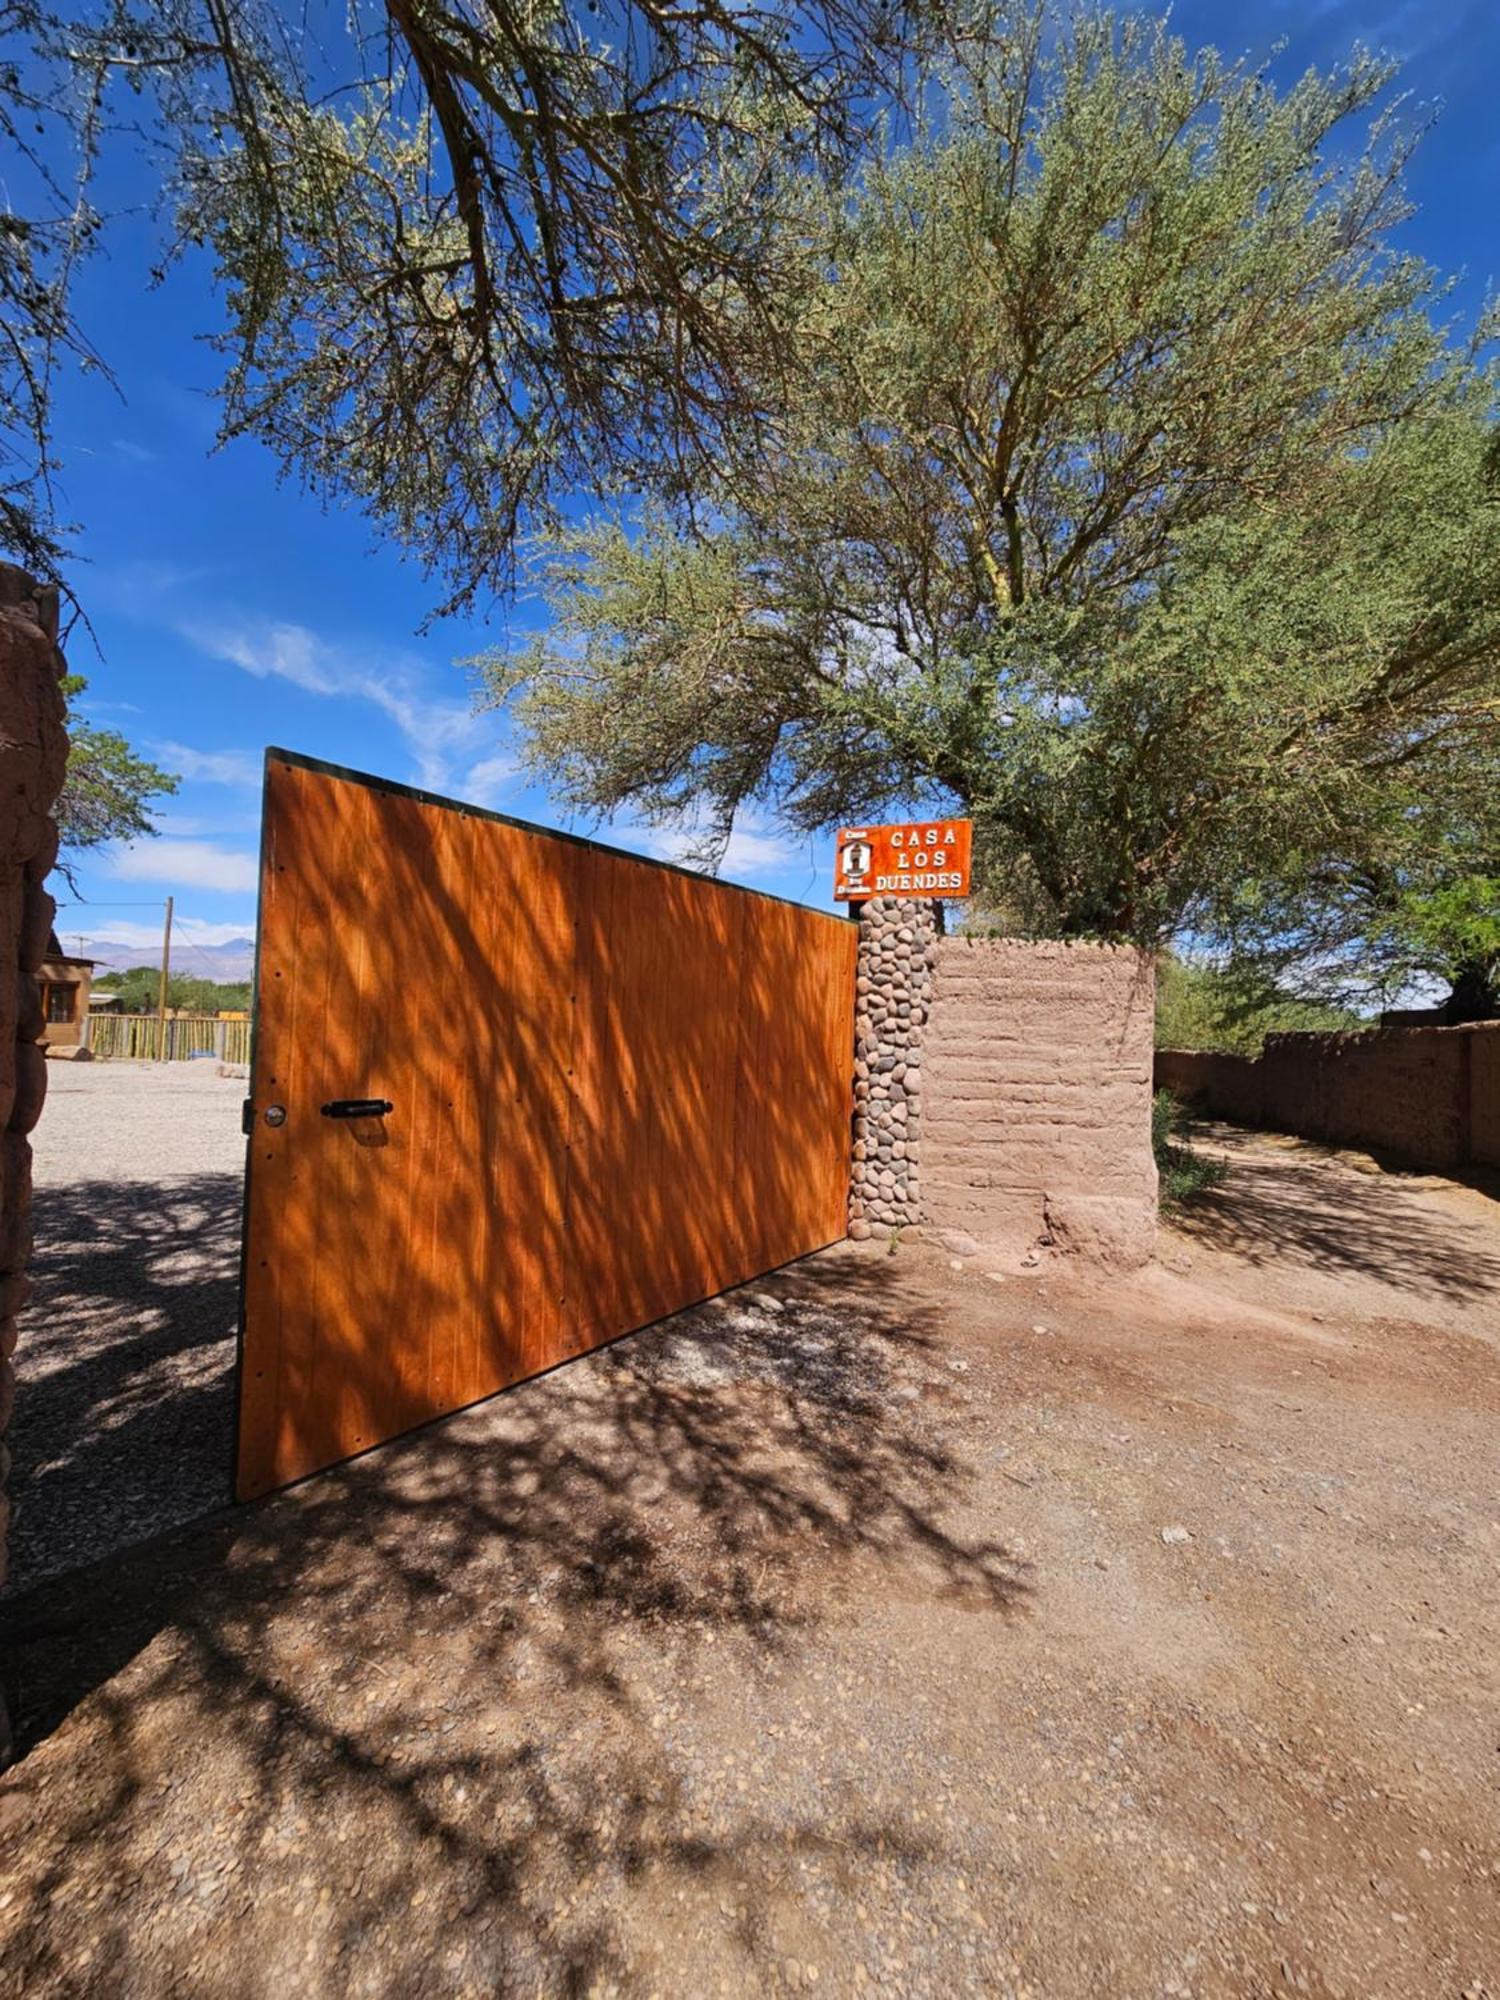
x=1484 y=1094
x=1037 y=1118
x=1428 y=1095
x=33 y=752
x=1229 y=1085
x=1003 y=1088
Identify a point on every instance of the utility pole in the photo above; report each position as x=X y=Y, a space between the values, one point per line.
x=161 y=1001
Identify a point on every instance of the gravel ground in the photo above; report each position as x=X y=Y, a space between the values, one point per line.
x=125 y=1362
x=893 y=1627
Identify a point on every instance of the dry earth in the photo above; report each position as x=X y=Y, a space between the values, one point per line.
x=126 y=1362
x=888 y=1628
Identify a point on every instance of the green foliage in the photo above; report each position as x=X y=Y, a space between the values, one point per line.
x=473 y=256
x=48 y=131
x=140 y=988
x=1233 y=1007
x=1451 y=928
x=1181 y=1173
x=1125 y=495
x=1164 y=1112
x=108 y=789
x=1421 y=905
x=997 y=412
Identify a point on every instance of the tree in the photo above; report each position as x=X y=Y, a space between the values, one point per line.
x=1421 y=905
x=503 y=252
x=46 y=224
x=1233 y=1006
x=1035 y=419
x=1451 y=932
x=475 y=255
x=108 y=789
x=139 y=989
x=1126 y=496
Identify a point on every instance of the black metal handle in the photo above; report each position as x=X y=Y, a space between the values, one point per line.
x=358 y=1107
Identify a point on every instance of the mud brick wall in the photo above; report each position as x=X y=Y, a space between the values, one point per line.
x=1037 y=1110
x=1002 y=1089
x=1427 y=1095
x=1230 y=1086
x=33 y=752
x=1484 y=1094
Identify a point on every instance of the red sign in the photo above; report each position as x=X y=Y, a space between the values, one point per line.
x=929 y=857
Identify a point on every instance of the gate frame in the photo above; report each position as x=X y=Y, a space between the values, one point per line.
x=394 y=787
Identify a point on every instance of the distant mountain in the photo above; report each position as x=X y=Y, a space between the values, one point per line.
x=227 y=963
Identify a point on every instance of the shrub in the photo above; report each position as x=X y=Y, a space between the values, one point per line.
x=1181 y=1172
x=1233 y=1007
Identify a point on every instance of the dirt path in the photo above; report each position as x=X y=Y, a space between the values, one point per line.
x=894 y=1628
x=1334 y=1234
x=125 y=1402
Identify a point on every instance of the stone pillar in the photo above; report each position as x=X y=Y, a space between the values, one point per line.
x=33 y=754
x=897 y=953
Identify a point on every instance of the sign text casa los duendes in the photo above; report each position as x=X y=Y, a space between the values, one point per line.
x=929 y=857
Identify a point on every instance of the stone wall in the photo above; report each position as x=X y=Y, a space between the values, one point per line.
x=1428 y=1095
x=33 y=752
x=898 y=945
x=1002 y=1088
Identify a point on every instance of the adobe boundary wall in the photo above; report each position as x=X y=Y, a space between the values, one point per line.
x=1002 y=1089
x=33 y=755
x=1427 y=1095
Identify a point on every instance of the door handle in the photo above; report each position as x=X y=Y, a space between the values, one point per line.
x=358 y=1107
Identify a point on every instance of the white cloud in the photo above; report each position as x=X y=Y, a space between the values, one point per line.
x=489 y=780
x=210 y=767
x=751 y=851
x=192 y=864
x=207 y=826
x=290 y=652
x=125 y=934
x=139 y=589
x=438 y=732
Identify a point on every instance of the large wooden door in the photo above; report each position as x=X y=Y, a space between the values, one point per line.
x=614 y=1088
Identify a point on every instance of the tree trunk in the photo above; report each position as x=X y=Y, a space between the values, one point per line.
x=1474 y=997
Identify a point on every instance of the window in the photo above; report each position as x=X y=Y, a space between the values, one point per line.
x=62 y=1001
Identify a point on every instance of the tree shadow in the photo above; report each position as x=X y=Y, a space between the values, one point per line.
x=445 y=1676
x=463 y=1645
x=1276 y=1208
x=125 y=1408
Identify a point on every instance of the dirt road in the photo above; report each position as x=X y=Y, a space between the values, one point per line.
x=126 y=1365
x=891 y=1628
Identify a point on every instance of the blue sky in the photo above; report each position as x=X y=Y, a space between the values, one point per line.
x=232 y=611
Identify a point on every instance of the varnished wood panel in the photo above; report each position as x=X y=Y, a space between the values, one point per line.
x=618 y=1088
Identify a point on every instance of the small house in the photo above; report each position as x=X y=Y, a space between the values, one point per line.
x=65 y=984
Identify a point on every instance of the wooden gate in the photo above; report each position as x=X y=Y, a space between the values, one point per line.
x=614 y=1088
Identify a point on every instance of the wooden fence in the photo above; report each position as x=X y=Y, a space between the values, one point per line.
x=146 y=1038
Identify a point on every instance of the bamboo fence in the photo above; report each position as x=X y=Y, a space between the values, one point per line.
x=181 y=1037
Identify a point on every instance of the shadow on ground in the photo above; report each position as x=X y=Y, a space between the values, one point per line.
x=124 y=1414
x=1336 y=1219
x=398 y=1647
